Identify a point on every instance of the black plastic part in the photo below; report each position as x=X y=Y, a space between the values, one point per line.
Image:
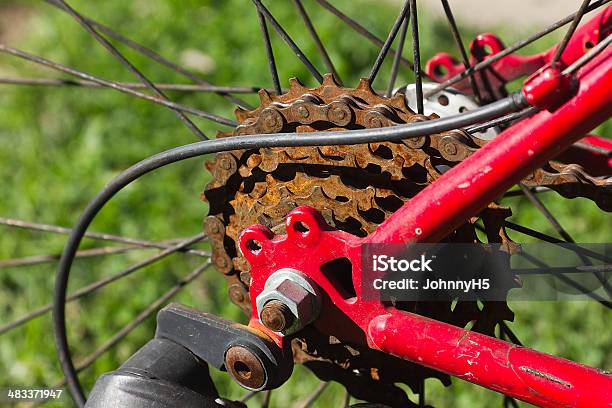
x=162 y=374
x=209 y=337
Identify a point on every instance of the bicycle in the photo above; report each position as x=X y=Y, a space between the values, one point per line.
x=564 y=98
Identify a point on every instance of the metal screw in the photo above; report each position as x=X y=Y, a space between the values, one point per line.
x=220 y=262
x=450 y=148
x=225 y=163
x=236 y=293
x=338 y=114
x=245 y=277
x=245 y=367
x=213 y=225
x=276 y=316
x=272 y=120
x=303 y=112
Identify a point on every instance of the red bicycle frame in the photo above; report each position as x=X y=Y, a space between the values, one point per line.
x=432 y=214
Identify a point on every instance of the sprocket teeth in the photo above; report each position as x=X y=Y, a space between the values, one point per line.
x=241 y=114
x=296 y=86
x=364 y=85
x=329 y=80
x=399 y=100
x=264 y=97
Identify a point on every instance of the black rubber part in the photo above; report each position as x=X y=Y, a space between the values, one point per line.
x=162 y=374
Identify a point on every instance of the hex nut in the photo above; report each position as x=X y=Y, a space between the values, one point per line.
x=297 y=292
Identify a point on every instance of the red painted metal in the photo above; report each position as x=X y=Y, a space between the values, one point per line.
x=548 y=88
x=526 y=374
x=433 y=213
x=523 y=373
x=443 y=66
x=465 y=189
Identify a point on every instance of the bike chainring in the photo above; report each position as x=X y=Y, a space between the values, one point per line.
x=356 y=188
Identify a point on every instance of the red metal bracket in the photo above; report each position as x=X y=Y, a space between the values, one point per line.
x=444 y=66
x=513 y=370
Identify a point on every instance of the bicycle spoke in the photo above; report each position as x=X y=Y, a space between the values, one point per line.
x=157 y=58
x=10 y=222
x=359 y=29
x=563 y=269
x=131 y=85
x=397 y=58
x=267 y=397
x=87 y=253
x=287 y=39
x=315 y=37
x=505 y=330
x=561 y=231
x=570 y=32
x=511 y=117
x=270 y=53
x=510 y=402
x=547 y=214
x=85 y=290
x=568 y=281
x=390 y=38
x=547 y=238
x=507 y=51
x=518 y=193
x=248 y=396
x=416 y=51
x=464 y=57
x=142 y=316
x=125 y=62
x=594 y=149
x=114 y=85
x=314 y=395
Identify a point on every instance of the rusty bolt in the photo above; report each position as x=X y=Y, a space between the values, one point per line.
x=450 y=148
x=276 y=316
x=220 y=261
x=225 y=163
x=245 y=277
x=416 y=142
x=288 y=302
x=272 y=120
x=339 y=113
x=245 y=367
x=213 y=225
x=303 y=111
x=236 y=293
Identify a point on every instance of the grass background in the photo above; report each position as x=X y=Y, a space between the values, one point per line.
x=59 y=146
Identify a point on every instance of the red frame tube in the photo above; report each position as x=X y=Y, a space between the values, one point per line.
x=523 y=373
x=468 y=187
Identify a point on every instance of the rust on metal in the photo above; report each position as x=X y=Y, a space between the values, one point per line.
x=276 y=316
x=245 y=367
x=546 y=376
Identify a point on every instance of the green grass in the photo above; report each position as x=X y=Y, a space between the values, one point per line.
x=59 y=146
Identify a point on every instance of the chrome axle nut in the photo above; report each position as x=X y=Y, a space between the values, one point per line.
x=289 y=301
